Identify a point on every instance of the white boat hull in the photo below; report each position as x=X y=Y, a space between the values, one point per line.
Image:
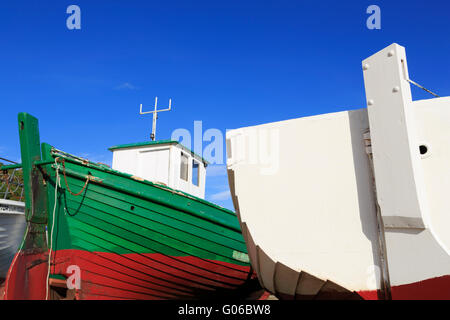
x=12 y=229
x=304 y=192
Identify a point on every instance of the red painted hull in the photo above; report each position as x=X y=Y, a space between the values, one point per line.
x=26 y=277
x=155 y=276
x=150 y=276
x=430 y=289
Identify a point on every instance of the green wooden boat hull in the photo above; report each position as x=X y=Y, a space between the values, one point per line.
x=111 y=235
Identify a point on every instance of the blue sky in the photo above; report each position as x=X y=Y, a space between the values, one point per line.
x=229 y=64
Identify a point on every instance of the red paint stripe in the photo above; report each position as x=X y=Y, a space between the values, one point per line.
x=429 y=289
x=148 y=276
x=264 y=296
x=26 y=277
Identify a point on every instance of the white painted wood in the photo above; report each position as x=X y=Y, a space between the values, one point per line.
x=316 y=213
x=433 y=131
x=160 y=163
x=414 y=255
x=311 y=207
x=154 y=165
x=399 y=176
x=403 y=194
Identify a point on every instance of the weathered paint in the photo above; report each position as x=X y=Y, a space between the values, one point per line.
x=11 y=166
x=34 y=190
x=127 y=234
x=430 y=289
x=29 y=267
x=27 y=275
x=107 y=275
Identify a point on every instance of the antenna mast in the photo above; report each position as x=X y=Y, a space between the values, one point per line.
x=155 y=115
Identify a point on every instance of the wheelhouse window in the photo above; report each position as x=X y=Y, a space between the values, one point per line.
x=184 y=167
x=195 y=173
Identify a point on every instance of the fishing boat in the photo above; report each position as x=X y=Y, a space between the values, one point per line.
x=143 y=232
x=12 y=218
x=352 y=204
x=12 y=228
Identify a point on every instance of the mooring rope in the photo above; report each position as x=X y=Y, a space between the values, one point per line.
x=67 y=185
x=57 y=183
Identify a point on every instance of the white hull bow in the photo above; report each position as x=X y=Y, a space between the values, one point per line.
x=307 y=191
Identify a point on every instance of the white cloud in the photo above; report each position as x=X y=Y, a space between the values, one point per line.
x=219 y=196
x=126 y=86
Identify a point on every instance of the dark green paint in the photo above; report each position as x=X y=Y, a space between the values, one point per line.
x=118 y=213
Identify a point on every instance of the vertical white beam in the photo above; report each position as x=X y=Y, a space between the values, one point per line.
x=396 y=157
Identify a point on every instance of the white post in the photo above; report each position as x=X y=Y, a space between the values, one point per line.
x=155 y=116
x=398 y=170
x=396 y=156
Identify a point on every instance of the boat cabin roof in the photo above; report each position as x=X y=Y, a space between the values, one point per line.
x=159 y=142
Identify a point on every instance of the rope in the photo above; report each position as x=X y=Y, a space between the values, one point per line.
x=10 y=161
x=67 y=185
x=58 y=182
x=423 y=88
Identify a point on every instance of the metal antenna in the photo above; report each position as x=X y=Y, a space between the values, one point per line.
x=155 y=116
